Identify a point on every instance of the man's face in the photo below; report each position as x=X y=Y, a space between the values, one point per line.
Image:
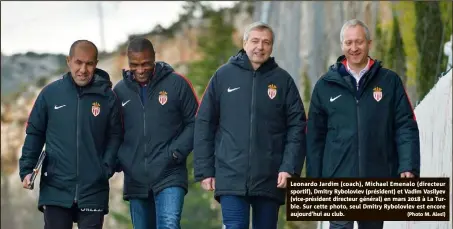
x=355 y=46
x=82 y=64
x=258 y=46
x=141 y=65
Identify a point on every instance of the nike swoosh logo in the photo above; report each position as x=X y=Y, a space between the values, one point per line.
x=333 y=99
x=234 y=89
x=58 y=107
x=124 y=103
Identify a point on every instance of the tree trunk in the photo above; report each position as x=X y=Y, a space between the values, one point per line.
x=313 y=49
x=396 y=58
x=428 y=31
x=335 y=20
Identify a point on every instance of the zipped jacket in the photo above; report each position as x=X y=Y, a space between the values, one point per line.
x=154 y=129
x=250 y=126
x=81 y=130
x=370 y=132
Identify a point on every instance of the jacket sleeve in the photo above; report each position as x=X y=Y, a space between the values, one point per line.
x=295 y=151
x=35 y=136
x=316 y=135
x=114 y=136
x=206 y=123
x=183 y=144
x=406 y=132
x=117 y=167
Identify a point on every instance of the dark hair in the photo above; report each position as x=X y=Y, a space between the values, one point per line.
x=140 y=44
x=74 y=46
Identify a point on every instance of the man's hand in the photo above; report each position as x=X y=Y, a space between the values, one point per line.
x=281 y=182
x=407 y=175
x=26 y=182
x=208 y=184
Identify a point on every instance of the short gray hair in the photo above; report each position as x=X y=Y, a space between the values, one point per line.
x=258 y=25
x=353 y=23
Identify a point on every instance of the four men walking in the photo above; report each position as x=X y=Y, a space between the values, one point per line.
x=249 y=133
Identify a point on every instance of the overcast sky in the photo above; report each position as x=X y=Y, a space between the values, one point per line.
x=51 y=27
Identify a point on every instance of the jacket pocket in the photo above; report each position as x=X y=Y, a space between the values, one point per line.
x=219 y=147
x=229 y=159
x=277 y=144
x=51 y=172
x=48 y=166
x=160 y=166
x=277 y=151
x=102 y=169
x=104 y=173
x=171 y=161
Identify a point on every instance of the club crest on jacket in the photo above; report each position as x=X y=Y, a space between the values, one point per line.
x=163 y=97
x=377 y=93
x=272 y=91
x=96 y=109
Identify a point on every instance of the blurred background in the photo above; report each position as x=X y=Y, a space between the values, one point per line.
x=410 y=38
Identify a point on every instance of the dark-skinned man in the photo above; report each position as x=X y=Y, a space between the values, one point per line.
x=158 y=107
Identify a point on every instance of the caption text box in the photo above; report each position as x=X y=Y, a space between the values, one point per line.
x=422 y=199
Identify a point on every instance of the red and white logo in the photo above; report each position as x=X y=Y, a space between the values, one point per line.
x=163 y=98
x=377 y=93
x=96 y=109
x=272 y=91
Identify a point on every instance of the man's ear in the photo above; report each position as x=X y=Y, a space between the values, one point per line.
x=68 y=59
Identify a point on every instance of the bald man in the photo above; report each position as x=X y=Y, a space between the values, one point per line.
x=77 y=118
